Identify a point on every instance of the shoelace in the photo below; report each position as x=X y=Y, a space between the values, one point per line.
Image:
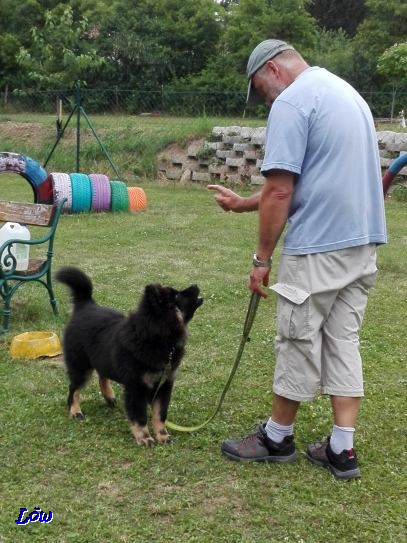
x=252 y=437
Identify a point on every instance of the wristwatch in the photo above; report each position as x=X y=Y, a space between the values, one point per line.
x=261 y=263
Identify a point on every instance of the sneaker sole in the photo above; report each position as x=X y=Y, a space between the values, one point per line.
x=349 y=474
x=276 y=459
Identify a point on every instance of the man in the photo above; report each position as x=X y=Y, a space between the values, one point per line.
x=323 y=182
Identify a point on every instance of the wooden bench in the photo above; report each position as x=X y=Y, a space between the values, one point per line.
x=39 y=269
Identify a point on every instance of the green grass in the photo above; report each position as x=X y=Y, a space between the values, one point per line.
x=132 y=142
x=101 y=487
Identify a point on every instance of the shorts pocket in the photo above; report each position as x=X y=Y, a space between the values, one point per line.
x=293 y=320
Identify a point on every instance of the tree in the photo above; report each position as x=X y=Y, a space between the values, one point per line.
x=384 y=25
x=61 y=53
x=338 y=14
x=252 y=21
x=18 y=17
x=9 y=73
x=393 y=62
x=152 y=42
x=333 y=50
x=245 y=25
x=393 y=65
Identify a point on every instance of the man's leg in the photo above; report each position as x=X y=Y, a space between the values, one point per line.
x=345 y=410
x=337 y=452
x=342 y=379
x=284 y=410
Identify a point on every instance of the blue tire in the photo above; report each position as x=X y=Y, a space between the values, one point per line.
x=81 y=192
x=33 y=172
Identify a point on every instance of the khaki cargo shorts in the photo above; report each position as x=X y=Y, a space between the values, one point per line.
x=321 y=303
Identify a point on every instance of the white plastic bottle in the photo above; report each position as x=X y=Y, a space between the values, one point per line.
x=21 y=251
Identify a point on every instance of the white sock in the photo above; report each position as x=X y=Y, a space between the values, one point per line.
x=277 y=432
x=341 y=438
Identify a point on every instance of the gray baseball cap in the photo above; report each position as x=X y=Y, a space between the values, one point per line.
x=265 y=51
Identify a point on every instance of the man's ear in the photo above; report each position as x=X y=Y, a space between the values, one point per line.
x=273 y=66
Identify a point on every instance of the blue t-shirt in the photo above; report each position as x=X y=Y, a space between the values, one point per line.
x=322 y=130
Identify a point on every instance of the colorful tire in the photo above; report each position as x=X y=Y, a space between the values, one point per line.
x=101 y=192
x=137 y=199
x=32 y=172
x=62 y=188
x=81 y=192
x=120 y=196
x=392 y=171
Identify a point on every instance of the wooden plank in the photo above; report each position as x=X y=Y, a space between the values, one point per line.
x=26 y=213
x=34 y=266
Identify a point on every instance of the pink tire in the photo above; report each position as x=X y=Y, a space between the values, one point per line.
x=62 y=188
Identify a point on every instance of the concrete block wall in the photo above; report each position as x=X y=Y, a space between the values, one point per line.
x=234 y=154
x=391 y=146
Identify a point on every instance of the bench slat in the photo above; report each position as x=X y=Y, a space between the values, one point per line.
x=26 y=213
x=35 y=265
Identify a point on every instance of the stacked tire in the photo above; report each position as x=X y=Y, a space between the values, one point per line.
x=33 y=172
x=95 y=192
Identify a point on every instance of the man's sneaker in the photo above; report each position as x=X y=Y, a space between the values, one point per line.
x=343 y=465
x=258 y=447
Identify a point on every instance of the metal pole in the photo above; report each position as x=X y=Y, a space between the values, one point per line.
x=99 y=142
x=78 y=123
x=60 y=134
x=80 y=110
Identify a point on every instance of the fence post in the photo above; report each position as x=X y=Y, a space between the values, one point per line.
x=59 y=117
x=116 y=94
x=78 y=122
x=393 y=101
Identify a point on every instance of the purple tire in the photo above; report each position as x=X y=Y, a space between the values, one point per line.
x=101 y=192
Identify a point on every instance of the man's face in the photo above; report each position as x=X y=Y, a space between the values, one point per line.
x=268 y=83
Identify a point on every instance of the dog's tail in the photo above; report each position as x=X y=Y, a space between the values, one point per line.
x=78 y=282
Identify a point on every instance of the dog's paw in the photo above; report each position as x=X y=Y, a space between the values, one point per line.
x=162 y=436
x=77 y=415
x=110 y=402
x=146 y=441
x=142 y=435
x=160 y=431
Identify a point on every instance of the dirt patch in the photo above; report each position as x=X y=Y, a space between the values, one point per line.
x=38 y=133
x=23 y=131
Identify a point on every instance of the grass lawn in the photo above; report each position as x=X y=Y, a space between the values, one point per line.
x=101 y=487
x=132 y=141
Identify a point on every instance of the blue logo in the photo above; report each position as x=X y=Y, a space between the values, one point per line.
x=35 y=516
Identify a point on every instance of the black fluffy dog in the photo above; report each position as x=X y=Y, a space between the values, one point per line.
x=142 y=351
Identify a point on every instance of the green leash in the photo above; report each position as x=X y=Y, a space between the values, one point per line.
x=251 y=313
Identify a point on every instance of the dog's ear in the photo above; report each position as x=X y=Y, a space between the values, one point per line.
x=158 y=295
x=152 y=292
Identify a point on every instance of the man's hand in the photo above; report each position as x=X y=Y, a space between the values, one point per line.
x=226 y=198
x=230 y=201
x=259 y=278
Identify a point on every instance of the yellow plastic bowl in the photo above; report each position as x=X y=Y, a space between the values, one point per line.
x=35 y=345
